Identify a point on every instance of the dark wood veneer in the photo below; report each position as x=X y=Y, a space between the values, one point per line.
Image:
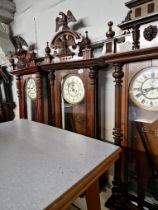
x=130 y=56
x=139 y=21
x=134 y=3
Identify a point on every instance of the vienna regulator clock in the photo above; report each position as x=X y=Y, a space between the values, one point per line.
x=136 y=107
x=32 y=83
x=73 y=79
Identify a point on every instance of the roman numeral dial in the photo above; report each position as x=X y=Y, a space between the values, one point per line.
x=143 y=89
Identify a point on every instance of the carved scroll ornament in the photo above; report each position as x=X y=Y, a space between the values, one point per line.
x=150 y=32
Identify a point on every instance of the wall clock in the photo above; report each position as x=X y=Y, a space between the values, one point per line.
x=140 y=131
x=73 y=83
x=33 y=94
x=73 y=90
x=136 y=108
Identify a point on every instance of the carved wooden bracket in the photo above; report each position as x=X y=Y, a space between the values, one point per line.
x=136 y=35
x=51 y=77
x=92 y=75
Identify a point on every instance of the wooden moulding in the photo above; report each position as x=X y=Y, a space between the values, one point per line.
x=131 y=56
x=139 y=21
x=59 y=66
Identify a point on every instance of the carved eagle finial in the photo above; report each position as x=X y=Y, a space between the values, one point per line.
x=64 y=20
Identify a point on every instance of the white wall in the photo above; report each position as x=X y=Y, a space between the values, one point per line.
x=35 y=22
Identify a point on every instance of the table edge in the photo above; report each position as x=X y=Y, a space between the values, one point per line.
x=80 y=187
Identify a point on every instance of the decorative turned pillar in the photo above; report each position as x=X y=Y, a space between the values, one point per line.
x=117 y=190
x=20 y=95
x=51 y=77
x=91 y=99
x=48 y=57
x=118 y=75
x=136 y=36
x=39 y=100
x=92 y=75
x=110 y=42
x=87 y=51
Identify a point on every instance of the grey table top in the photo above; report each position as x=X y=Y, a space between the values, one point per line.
x=38 y=163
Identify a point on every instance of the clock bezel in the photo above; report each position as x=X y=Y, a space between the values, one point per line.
x=26 y=88
x=133 y=97
x=69 y=100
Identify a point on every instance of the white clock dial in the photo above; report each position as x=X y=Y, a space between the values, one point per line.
x=143 y=89
x=73 y=90
x=31 y=88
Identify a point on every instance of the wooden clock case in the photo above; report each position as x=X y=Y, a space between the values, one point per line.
x=39 y=108
x=136 y=173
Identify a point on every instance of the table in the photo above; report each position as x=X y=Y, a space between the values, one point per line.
x=43 y=167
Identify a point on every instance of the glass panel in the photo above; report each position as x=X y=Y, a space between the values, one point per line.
x=142 y=156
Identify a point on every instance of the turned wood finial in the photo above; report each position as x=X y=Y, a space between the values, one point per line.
x=48 y=56
x=47 y=49
x=87 y=40
x=110 y=34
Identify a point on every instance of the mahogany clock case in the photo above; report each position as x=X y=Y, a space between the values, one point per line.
x=73 y=116
x=140 y=128
x=38 y=107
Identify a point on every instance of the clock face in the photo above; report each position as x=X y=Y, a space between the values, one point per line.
x=143 y=89
x=31 y=88
x=73 y=90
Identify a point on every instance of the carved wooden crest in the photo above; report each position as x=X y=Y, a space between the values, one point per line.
x=69 y=43
x=64 y=20
x=150 y=32
x=24 y=54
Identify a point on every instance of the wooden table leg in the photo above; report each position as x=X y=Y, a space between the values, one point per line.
x=92 y=197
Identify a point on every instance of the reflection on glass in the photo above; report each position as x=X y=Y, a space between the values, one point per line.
x=142 y=157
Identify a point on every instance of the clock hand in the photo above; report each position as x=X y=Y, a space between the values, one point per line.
x=146 y=90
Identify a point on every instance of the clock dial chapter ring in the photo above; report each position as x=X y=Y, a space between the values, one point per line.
x=31 y=89
x=73 y=90
x=150 y=88
x=143 y=89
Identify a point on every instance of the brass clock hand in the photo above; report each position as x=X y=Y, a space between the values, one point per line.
x=148 y=89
